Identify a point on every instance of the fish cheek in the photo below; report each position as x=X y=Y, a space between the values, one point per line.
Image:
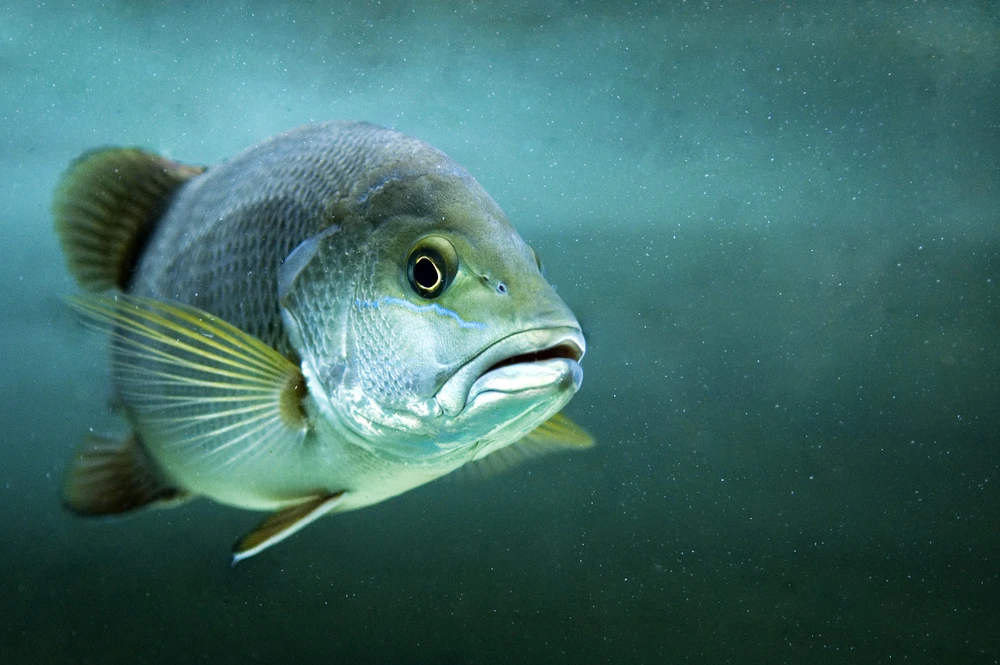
x=383 y=339
x=315 y=296
x=406 y=345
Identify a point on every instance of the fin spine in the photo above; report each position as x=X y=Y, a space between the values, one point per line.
x=282 y=524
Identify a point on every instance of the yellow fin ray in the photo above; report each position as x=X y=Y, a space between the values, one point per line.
x=241 y=352
x=194 y=383
x=558 y=433
x=555 y=434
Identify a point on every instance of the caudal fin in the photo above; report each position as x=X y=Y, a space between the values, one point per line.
x=105 y=208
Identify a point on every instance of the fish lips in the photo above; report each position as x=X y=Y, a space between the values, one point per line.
x=528 y=360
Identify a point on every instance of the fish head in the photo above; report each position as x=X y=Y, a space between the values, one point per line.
x=445 y=336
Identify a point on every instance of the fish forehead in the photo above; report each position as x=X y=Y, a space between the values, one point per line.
x=456 y=207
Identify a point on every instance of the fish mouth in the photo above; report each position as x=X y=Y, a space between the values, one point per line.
x=530 y=359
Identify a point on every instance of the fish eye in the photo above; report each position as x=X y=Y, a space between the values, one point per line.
x=432 y=264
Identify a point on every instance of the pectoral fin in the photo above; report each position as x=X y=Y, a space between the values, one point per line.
x=555 y=434
x=282 y=524
x=197 y=385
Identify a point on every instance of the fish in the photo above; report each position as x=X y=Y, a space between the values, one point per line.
x=335 y=316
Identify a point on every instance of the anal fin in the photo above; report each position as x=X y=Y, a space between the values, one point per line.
x=283 y=524
x=110 y=477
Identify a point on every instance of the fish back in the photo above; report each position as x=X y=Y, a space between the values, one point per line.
x=220 y=245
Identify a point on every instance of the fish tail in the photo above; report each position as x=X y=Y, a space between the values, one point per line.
x=106 y=205
x=112 y=477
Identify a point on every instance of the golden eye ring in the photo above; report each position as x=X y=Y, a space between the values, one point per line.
x=431 y=266
x=427 y=275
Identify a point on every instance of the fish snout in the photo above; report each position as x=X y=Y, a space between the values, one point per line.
x=540 y=359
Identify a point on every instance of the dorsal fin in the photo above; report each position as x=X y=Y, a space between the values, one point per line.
x=106 y=205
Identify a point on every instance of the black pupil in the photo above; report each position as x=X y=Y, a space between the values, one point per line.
x=426 y=273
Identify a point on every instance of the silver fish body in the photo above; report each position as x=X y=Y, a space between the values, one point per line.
x=332 y=317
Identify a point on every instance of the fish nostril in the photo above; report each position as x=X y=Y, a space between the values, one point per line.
x=501 y=288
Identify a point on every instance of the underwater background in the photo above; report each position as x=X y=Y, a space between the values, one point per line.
x=779 y=224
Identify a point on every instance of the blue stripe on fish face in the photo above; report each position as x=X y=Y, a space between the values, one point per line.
x=433 y=307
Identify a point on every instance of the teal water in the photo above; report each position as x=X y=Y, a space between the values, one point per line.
x=779 y=226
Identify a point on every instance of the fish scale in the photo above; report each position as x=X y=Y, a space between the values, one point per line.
x=383 y=373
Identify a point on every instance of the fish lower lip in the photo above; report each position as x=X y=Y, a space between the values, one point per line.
x=524 y=360
x=523 y=376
